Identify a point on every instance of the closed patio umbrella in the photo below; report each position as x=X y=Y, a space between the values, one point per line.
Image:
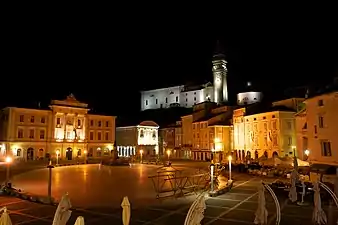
x=4 y=219
x=62 y=213
x=125 y=211
x=196 y=212
x=261 y=215
x=293 y=189
x=79 y=221
x=319 y=216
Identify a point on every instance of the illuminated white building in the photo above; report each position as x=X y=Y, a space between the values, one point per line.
x=247 y=98
x=188 y=96
x=66 y=128
x=131 y=140
x=184 y=96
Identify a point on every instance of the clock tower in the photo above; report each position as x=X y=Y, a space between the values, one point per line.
x=219 y=71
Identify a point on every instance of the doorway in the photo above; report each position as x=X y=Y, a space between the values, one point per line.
x=30 y=154
x=69 y=153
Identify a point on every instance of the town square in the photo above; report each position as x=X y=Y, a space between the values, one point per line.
x=169 y=120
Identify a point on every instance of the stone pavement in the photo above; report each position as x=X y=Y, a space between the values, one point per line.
x=234 y=208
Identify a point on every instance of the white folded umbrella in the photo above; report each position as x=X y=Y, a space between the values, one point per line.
x=125 y=211
x=5 y=219
x=63 y=213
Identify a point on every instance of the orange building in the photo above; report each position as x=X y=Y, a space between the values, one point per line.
x=317 y=129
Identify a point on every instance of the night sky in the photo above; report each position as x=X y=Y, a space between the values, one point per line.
x=107 y=63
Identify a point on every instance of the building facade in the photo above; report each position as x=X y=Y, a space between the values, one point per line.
x=212 y=135
x=265 y=134
x=188 y=96
x=134 y=140
x=67 y=128
x=317 y=129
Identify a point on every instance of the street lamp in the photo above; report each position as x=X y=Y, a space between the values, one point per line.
x=141 y=153
x=85 y=155
x=57 y=156
x=212 y=169
x=230 y=158
x=168 y=153
x=307 y=153
x=8 y=164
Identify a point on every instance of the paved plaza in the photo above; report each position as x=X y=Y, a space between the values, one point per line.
x=98 y=193
x=236 y=207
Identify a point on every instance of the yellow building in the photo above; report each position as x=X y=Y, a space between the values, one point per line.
x=212 y=136
x=317 y=129
x=66 y=128
x=269 y=133
x=187 y=134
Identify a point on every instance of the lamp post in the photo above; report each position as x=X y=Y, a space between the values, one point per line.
x=50 y=167
x=307 y=153
x=230 y=158
x=85 y=156
x=141 y=153
x=212 y=169
x=57 y=156
x=8 y=164
x=168 y=153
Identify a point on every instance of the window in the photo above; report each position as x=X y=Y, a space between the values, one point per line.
x=186 y=99
x=68 y=135
x=289 y=141
x=194 y=93
x=91 y=135
x=31 y=133
x=146 y=102
x=166 y=100
x=43 y=119
x=18 y=152
x=273 y=116
x=42 y=134
x=320 y=102
x=107 y=136
x=79 y=123
x=315 y=127
x=289 y=125
x=194 y=98
x=99 y=136
x=156 y=101
x=22 y=118
x=107 y=123
x=176 y=98
x=32 y=119
x=265 y=126
x=58 y=121
x=91 y=122
x=20 y=133
x=274 y=125
x=321 y=121
x=326 y=148
x=99 y=123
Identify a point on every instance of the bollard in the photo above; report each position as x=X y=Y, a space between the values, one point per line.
x=50 y=167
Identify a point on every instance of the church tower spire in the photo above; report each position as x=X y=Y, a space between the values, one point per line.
x=219 y=71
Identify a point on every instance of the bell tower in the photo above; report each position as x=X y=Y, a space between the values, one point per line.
x=219 y=71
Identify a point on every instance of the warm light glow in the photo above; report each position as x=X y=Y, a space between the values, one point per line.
x=85 y=152
x=57 y=152
x=168 y=152
x=8 y=159
x=229 y=157
x=307 y=152
x=110 y=147
x=141 y=152
x=217 y=140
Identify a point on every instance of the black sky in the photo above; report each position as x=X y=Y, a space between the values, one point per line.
x=107 y=62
